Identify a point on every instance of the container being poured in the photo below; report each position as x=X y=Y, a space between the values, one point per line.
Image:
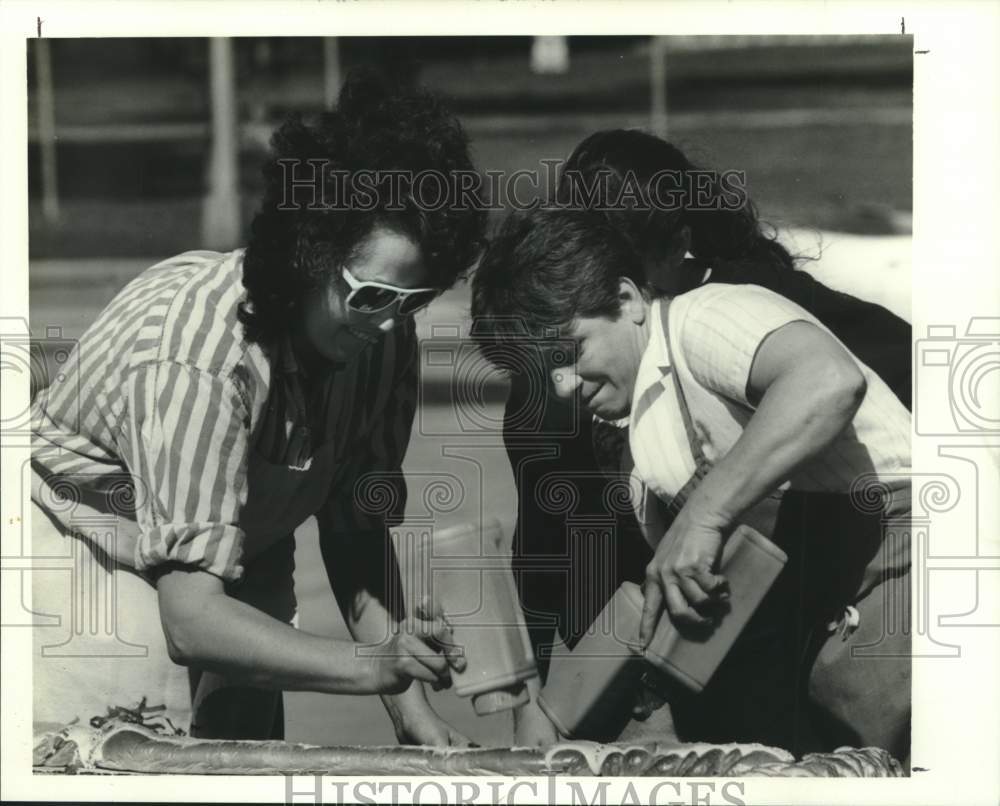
x=466 y=570
x=589 y=686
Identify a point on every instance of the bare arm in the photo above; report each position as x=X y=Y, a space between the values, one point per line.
x=532 y=728
x=364 y=576
x=808 y=389
x=207 y=628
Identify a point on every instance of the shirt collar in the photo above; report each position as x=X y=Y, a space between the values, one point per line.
x=653 y=368
x=290 y=364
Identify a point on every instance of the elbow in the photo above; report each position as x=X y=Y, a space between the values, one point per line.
x=855 y=387
x=181 y=646
x=845 y=389
x=178 y=655
x=183 y=623
x=186 y=599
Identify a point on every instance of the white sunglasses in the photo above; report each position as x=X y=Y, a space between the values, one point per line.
x=370 y=297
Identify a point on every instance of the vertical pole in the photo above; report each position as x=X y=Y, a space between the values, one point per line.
x=549 y=54
x=46 y=130
x=221 y=212
x=658 y=85
x=331 y=71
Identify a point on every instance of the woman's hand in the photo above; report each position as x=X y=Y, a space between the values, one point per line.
x=532 y=728
x=682 y=576
x=418 y=724
x=421 y=648
x=806 y=388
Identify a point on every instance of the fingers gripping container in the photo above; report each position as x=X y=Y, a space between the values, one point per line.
x=751 y=563
x=596 y=681
x=468 y=574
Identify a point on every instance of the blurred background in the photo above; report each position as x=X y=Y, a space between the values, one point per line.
x=143 y=148
x=121 y=157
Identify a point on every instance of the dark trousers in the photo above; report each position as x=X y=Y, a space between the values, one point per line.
x=789 y=680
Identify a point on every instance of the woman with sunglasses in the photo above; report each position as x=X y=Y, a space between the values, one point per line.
x=224 y=399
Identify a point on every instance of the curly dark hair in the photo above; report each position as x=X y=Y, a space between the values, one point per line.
x=385 y=137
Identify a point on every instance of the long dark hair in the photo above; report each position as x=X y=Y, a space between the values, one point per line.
x=382 y=130
x=721 y=232
x=730 y=239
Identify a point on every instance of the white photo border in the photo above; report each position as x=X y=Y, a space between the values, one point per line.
x=956 y=738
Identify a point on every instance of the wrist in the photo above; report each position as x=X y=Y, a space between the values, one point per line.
x=412 y=700
x=527 y=711
x=365 y=675
x=406 y=708
x=531 y=708
x=697 y=516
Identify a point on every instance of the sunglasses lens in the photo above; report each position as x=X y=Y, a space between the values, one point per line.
x=414 y=302
x=371 y=299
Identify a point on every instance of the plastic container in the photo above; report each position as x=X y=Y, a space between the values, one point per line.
x=751 y=563
x=468 y=573
x=590 y=687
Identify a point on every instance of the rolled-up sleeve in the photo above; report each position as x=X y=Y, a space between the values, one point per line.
x=185 y=438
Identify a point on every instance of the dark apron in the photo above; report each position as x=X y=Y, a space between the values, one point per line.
x=802 y=676
x=279 y=498
x=288 y=480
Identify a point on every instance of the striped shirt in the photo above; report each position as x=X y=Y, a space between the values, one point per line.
x=171 y=398
x=715 y=332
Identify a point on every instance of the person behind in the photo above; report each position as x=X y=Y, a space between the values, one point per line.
x=682 y=245
x=692 y=226
x=775 y=403
x=223 y=399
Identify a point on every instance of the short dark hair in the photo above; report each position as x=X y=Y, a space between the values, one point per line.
x=382 y=129
x=544 y=268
